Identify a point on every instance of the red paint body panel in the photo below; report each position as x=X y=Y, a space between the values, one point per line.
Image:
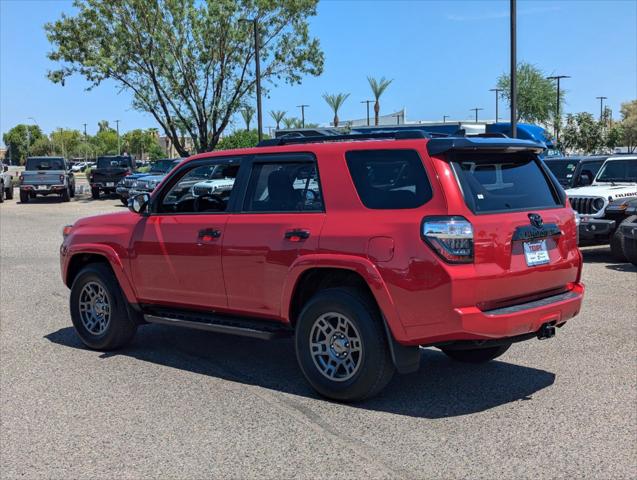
x=252 y=269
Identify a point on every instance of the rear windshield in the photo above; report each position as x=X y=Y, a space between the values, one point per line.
x=162 y=166
x=45 y=164
x=618 y=171
x=504 y=182
x=113 y=162
x=562 y=169
x=389 y=179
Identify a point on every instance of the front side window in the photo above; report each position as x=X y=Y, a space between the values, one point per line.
x=283 y=187
x=503 y=182
x=202 y=189
x=389 y=179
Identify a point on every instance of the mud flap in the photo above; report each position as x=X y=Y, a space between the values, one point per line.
x=406 y=358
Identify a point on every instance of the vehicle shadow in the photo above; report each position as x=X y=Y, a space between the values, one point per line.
x=442 y=388
x=599 y=254
x=42 y=200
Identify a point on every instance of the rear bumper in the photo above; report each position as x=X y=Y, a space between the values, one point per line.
x=471 y=323
x=47 y=190
x=596 y=229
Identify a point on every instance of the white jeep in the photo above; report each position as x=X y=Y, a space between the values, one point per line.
x=615 y=182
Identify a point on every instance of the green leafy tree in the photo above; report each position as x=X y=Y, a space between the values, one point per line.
x=103 y=125
x=42 y=147
x=583 y=134
x=277 y=116
x=291 y=122
x=247 y=113
x=239 y=139
x=185 y=60
x=335 y=101
x=140 y=142
x=536 y=96
x=66 y=142
x=378 y=88
x=104 y=142
x=19 y=141
x=628 y=125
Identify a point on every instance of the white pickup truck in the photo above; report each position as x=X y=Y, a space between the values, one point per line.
x=6 y=183
x=615 y=183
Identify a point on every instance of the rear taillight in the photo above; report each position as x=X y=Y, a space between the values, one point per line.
x=66 y=230
x=21 y=178
x=450 y=237
x=577 y=223
x=62 y=178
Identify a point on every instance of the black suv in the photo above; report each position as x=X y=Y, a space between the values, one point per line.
x=108 y=172
x=574 y=172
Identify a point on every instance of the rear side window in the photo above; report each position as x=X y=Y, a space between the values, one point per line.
x=504 y=182
x=389 y=179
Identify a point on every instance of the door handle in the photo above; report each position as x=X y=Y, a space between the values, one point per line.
x=208 y=234
x=297 y=235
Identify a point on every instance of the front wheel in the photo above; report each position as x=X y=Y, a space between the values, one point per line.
x=99 y=310
x=476 y=355
x=95 y=193
x=341 y=345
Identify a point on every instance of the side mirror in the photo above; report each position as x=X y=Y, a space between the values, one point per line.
x=586 y=178
x=139 y=203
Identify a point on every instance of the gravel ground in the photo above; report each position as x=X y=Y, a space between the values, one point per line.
x=189 y=404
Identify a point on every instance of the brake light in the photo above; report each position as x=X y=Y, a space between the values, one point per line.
x=62 y=178
x=450 y=237
x=577 y=223
x=66 y=230
x=21 y=178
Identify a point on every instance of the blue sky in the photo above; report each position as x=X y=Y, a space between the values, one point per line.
x=443 y=56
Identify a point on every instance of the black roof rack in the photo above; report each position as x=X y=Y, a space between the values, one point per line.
x=287 y=140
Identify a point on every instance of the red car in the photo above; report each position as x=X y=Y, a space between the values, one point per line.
x=363 y=247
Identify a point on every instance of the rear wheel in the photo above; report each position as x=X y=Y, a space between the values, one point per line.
x=9 y=192
x=72 y=192
x=95 y=193
x=341 y=345
x=24 y=196
x=476 y=355
x=99 y=310
x=1 y=192
x=66 y=195
x=617 y=244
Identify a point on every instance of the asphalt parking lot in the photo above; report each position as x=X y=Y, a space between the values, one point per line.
x=191 y=404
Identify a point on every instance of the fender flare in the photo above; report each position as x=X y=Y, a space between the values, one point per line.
x=114 y=260
x=364 y=267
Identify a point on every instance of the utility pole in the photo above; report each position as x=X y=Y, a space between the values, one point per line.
x=476 y=110
x=558 y=118
x=119 y=148
x=302 y=107
x=367 y=102
x=444 y=118
x=514 y=70
x=497 y=92
x=85 y=141
x=601 y=107
x=257 y=71
x=397 y=115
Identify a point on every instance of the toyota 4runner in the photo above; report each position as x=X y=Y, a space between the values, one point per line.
x=362 y=247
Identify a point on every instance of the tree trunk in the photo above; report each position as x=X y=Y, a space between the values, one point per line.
x=376 y=112
x=335 y=120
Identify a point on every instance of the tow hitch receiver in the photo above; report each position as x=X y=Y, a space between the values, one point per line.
x=546 y=331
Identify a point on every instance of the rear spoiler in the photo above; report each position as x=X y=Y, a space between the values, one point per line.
x=437 y=146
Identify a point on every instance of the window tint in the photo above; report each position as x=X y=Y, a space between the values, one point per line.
x=618 y=171
x=203 y=189
x=389 y=179
x=114 y=162
x=562 y=169
x=51 y=163
x=283 y=187
x=515 y=182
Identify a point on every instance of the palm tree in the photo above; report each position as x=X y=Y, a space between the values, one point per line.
x=277 y=116
x=290 y=122
x=247 y=113
x=378 y=87
x=335 y=101
x=103 y=125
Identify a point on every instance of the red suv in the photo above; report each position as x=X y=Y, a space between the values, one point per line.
x=362 y=247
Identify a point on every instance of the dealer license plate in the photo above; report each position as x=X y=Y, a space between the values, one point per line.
x=110 y=184
x=536 y=253
x=42 y=187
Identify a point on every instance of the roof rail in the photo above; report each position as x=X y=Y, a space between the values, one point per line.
x=287 y=140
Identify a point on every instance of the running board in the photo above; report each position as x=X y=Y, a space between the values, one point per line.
x=246 y=327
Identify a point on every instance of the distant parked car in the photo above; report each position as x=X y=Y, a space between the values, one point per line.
x=108 y=172
x=574 y=172
x=6 y=183
x=46 y=176
x=158 y=169
x=79 y=167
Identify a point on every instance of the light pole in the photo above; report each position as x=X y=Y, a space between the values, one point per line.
x=476 y=110
x=119 y=148
x=397 y=115
x=257 y=66
x=444 y=118
x=514 y=70
x=367 y=102
x=601 y=107
x=302 y=107
x=85 y=142
x=558 y=119
x=497 y=92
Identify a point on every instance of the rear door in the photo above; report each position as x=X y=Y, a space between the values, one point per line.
x=524 y=237
x=280 y=218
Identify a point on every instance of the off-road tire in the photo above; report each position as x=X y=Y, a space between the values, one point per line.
x=9 y=192
x=24 y=196
x=121 y=326
x=616 y=244
x=2 y=191
x=626 y=257
x=476 y=355
x=65 y=195
x=95 y=193
x=72 y=192
x=375 y=368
